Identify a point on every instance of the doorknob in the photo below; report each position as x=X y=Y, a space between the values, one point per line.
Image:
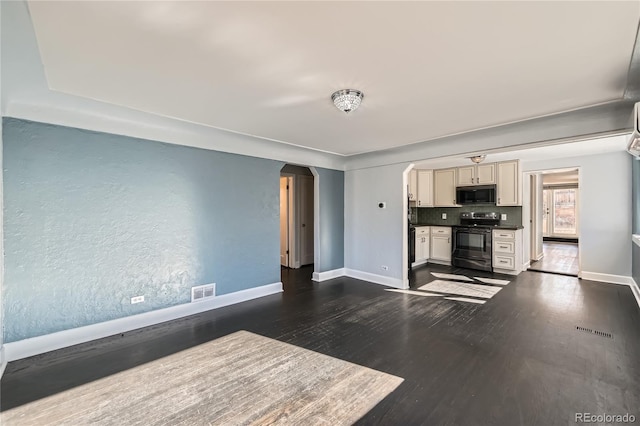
x=303 y=225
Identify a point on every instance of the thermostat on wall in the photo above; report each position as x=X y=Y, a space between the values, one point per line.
x=382 y=205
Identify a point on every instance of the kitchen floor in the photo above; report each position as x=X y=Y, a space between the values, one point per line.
x=559 y=258
x=529 y=355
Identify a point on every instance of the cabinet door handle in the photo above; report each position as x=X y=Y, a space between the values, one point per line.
x=419 y=202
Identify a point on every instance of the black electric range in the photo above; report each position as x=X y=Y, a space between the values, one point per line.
x=471 y=246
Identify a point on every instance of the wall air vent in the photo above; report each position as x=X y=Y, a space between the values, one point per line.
x=203 y=292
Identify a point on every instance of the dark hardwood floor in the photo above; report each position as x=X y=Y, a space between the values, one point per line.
x=518 y=359
x=559 y=258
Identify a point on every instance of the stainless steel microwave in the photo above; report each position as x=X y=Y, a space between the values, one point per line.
x=480 y=194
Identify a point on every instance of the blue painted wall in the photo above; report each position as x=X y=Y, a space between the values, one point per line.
x=92 y=219
x=331 y=219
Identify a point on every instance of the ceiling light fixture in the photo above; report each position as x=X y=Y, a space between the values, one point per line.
x=478 y=158
x=347 y=100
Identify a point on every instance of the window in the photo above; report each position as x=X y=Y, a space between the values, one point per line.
x=560 y=216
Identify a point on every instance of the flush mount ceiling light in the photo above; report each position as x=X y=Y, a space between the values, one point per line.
x=347 y=100
x=478 y=158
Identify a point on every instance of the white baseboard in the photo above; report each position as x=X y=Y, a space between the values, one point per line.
x=374 y=278
x=635 y=289
x=327 y=275
x=506 y=271
x=606 y=278
x=419 y=262
x=526 y=265
x=440 y=262
x=3 y=361
x=62 y=339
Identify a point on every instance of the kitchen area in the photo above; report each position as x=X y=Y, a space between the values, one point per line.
x=467 y=216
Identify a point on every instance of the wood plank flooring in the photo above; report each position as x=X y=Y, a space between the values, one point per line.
x=241 y=378
x=560 y=258
x=517 y=359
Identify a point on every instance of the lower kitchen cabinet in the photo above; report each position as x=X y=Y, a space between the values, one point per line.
x=441 y=244
x=507 y=251
x=422 y=245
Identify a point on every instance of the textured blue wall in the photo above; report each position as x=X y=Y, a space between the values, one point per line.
x=331 y=219
x=92 y=219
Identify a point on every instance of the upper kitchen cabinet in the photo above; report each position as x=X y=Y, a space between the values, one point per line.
x=508 y=184
x=413 y=185
x=445 y=188
x=486 y=174
x=425 y=188
x=476 y=174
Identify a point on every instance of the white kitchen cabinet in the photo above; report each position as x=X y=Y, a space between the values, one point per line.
x=441 y=244
x=508 y=185
x=476 y=174
x=425 y=188
x=413 y=185
x=466 y=176
x=422 y=245
x=486 y=174
x=507 y=251
x=444 y=188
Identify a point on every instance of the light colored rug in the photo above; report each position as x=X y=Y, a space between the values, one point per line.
x=451 y=276
x=461 y=289
x=239 y=379
x=492 y=281
x=413 y=292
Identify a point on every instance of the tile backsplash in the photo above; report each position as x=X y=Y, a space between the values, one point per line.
x=433 y=215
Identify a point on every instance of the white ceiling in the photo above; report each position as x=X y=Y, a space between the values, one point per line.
x=585 y=147
x=267 y=69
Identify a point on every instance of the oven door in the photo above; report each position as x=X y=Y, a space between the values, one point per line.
x=472 y=243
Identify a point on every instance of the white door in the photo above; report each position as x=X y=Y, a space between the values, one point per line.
x=284 y=221
x=306 y=220
x=560 y=212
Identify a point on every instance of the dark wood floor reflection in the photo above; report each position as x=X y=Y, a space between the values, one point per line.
x=560 y=258
x=516 y=360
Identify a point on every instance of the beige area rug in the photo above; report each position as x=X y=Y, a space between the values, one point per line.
x=239 y=379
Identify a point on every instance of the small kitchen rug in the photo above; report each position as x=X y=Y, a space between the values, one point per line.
x=239 y=379
x=461 y=289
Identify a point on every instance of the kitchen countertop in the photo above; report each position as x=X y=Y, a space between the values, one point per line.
x=510 y=227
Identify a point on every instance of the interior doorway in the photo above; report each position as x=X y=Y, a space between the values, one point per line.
x=297 y=222
x=558 y=222
x=286 y=215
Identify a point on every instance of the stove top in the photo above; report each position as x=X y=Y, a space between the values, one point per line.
x=477 y=219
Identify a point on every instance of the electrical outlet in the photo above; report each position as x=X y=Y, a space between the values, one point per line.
x=137 y=299
x=444 y=215
x=503 y=216
x=385 y=268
